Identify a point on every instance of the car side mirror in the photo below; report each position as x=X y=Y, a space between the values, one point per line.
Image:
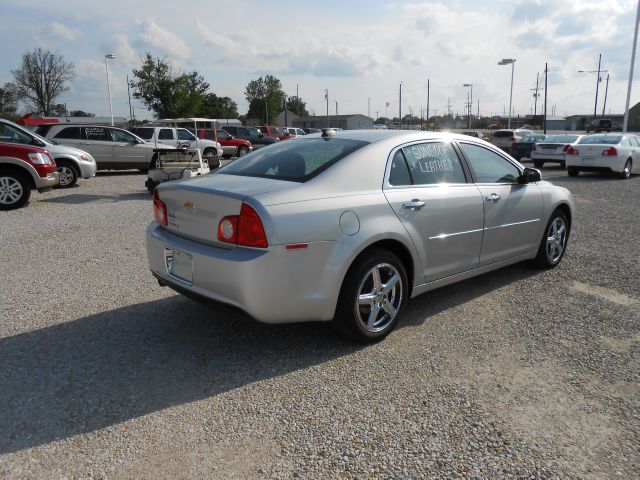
x=530 y=175
x=39 y=143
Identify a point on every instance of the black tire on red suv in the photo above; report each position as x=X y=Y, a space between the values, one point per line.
x=15 y=189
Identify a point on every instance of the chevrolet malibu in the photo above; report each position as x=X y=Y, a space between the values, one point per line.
x=605 y=152
x=346 y=226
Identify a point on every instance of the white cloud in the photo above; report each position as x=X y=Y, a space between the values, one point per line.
x=153 y=36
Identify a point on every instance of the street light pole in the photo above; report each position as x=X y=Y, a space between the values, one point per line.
x=633 y=61
x=507 y=61
x=109 y=56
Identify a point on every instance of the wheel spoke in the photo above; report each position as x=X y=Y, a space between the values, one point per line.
x=390 y=309
x=377 y=283
x=387 y=287
x=373 y=315
x=366 y=299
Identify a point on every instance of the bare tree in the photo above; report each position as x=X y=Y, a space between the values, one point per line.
x=42 y=76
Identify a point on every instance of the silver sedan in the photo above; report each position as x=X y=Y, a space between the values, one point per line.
x=346 y=226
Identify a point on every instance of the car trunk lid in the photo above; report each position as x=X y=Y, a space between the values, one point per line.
x=196 y=206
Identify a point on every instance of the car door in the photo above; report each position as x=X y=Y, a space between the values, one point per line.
x=512 y=211
x=186 y=137
x=428 y=189
x=97 y=141
x=127 y=151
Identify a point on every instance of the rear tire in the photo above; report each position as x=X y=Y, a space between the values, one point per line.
x=554 y=241
x=68 y=174
x=15 y=189
x=538 y=163
x=242 y=151
x=372 y=297
x=573 y=171
x=626 y=171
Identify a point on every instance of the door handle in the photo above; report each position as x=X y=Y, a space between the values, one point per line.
x=414 y=204
x=494 y=197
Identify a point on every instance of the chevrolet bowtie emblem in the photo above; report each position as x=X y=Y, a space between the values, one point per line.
x=189 y=205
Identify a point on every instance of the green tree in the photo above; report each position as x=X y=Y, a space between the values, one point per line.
x=168 y=94
x=297 y=106
x=42 y=76
x=58 y=110
x=81 y=113
x=214 y=106
x=265 y=97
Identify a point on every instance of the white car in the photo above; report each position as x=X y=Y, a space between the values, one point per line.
x=553 y=149
x=618 y=153
x=295 y=132
x=179 y=137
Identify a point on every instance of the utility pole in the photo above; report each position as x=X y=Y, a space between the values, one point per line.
x=337 y=120
x=478 y=109
x=546 y=71
x=400 y=106
x=369 y=107
x=449 y=106
x=428 y=100
x=326 y=96
x=535 y=95
x=129 y=95
x=284 y=103
x=633 y=61
x=606 y=89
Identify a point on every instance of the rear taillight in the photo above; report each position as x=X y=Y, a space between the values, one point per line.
x=513 y=139
x=566 y=147
x=572 y=151
x=610 y=151
x=159 y=209
x=245 y=229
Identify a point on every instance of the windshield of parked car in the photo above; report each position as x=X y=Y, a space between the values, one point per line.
x=503 y=133
x=562 y=138
x=297 y=161
x=532 y=139
x=601 y=140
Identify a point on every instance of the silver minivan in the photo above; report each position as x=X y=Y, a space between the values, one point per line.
x=112 y=147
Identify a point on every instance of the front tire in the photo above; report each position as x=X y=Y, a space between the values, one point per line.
x=554 y=241
x=242 y=151
x=573 y=171
x=68 y=174
x=372 y=297
x=15 y=189
x=626 y=171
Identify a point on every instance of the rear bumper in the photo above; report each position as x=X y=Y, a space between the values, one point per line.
x=615 y=164
x=548 y=157
x=272 y=286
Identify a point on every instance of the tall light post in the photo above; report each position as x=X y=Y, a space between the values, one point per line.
x=470 y=103
x=507 y=61
x=109 y=56
x=633 y=61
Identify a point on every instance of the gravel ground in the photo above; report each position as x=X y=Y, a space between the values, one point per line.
x=519 y=373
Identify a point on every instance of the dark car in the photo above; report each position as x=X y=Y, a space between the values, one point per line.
x=599 y=125
x=523 y=147
x=255 y=136
x=311 y=130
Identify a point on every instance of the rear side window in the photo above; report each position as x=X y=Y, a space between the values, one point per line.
x=399 y=174
x=69 y=133
x=433 y=163
x=296 y=161
x=165 y=134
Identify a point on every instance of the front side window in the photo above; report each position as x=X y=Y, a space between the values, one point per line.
x=97 y=134
x=146 y=133
x=185 y=135
x=122 y=136
x=222 y=134
x=433 y=163
x=488 y=166
x=296 y=161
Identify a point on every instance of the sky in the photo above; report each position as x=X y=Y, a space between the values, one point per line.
x=360 y=51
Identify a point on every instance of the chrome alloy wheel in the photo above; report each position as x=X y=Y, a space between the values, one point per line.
x=379 y=297
x=66 y=175
x=10 y=190
x=556 y=239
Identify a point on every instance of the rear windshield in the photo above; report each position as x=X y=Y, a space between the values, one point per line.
x=562 y=138
x=601 y=140
x=295 y=160
x=532 y=139
x=144 y=133
x=503 y=133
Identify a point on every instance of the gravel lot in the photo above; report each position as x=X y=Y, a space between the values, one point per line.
x=103 y=374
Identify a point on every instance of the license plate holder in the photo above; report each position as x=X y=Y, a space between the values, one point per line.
x=179 y=265
x=587 y=162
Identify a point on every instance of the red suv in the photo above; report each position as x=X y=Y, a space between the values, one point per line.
x=231 y=146
x=22 y=169
x=276 y=132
